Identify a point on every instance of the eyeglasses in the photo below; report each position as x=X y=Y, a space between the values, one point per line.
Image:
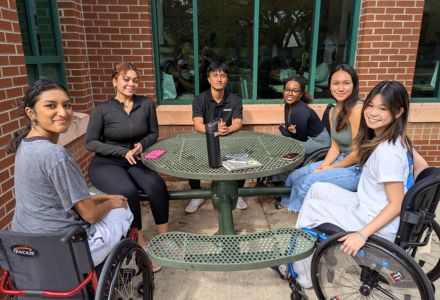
x=295 y=91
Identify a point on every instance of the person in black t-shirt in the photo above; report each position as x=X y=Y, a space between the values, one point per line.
x=216 y=103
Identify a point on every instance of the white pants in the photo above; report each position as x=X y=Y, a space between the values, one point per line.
x=108 y=232
x=328 y=203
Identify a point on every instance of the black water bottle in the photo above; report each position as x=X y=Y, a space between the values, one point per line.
x=213 y=143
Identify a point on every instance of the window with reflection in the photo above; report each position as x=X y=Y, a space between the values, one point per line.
x=225 y=33
x=335 y=27
x=284 y=44
x=426 y=74
x=176 y=52
x=41 y=39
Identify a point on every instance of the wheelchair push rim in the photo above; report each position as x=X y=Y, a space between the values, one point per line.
x=381 y=270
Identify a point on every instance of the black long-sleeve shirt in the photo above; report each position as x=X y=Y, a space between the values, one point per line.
x=113 y=132
x=306 y=120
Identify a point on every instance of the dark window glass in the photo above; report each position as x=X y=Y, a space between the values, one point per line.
x=51 y=71
x=284 y=43
x=335 y=22
x=426 y=74
x=44 y=28
x=176 y=54
x=225 y=35
x=24 y=28
x=39 y=36
x=32 y=73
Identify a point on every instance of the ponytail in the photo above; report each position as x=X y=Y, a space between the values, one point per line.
x=17 y=137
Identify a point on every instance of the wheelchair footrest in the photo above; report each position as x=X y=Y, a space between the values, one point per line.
x=230 y=252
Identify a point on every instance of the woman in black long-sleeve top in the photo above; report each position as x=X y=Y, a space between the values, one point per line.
x=301 y=122
x=118 y=131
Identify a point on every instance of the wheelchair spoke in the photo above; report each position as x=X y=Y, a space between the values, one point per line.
x=127 y=275
x=377 y=274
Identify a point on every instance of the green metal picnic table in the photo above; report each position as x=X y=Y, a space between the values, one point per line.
x=186 y=157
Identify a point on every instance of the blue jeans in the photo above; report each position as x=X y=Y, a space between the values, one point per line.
x=302 y=179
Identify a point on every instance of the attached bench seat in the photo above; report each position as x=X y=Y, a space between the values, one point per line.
x=94 y=191
x=206 y=193
x=230 y=252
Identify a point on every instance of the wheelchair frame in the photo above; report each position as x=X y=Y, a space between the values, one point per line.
x=417 y=217
x=27 y=260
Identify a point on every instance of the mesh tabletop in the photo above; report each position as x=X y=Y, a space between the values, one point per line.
x=186 y=155
x=230 y=252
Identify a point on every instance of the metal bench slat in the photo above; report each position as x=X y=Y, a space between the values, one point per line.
x=230 y=252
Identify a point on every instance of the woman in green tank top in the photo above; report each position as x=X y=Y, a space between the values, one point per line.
x=340 y=164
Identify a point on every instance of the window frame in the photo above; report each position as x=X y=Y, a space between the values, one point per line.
x=434 y=99
x=351 y=53
x=37 y=59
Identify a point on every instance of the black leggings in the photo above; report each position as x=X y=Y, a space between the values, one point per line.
x=195 y=184
x=118 y=177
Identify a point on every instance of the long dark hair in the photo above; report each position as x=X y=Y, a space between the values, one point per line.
x=395 y=98
x=29 y=100
x=305 y=95
x=342 y=118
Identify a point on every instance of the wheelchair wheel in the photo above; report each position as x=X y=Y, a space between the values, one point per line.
x=126 y=274
x=381 y=270
x=430 y=260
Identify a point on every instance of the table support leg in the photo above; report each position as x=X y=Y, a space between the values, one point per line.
x=224 y=199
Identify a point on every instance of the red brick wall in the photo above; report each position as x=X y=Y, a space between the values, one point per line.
x=120 y=31
x=387 y=49
x=79 y=152
x=13 y=82
x=387 y=41
x=75 y=54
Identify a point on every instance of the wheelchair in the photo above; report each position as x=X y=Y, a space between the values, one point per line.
x=59 y=265
x=381 y=269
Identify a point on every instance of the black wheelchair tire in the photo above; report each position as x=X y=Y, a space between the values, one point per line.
x=424 y=286
x=433 y=272
x=127 y=251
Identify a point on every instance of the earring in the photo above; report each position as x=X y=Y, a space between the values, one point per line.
x=34 y=122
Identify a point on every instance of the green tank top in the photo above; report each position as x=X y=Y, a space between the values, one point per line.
x=343 y=137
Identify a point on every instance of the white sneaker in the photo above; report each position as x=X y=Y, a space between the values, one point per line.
x=193 y=205
x=241 y=204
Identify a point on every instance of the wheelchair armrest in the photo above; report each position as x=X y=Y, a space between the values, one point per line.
x=74 y=232
x=329 y=229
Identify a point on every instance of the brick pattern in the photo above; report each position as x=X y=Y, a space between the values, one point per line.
x=117 y=31
x=387 y=42
x=75 y=54
x=13 y=83
x=81 y=155
x=426 y=138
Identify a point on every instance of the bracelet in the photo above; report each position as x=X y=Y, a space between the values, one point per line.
x=362 y=235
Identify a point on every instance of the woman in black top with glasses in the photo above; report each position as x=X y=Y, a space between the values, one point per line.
x=301 y=122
